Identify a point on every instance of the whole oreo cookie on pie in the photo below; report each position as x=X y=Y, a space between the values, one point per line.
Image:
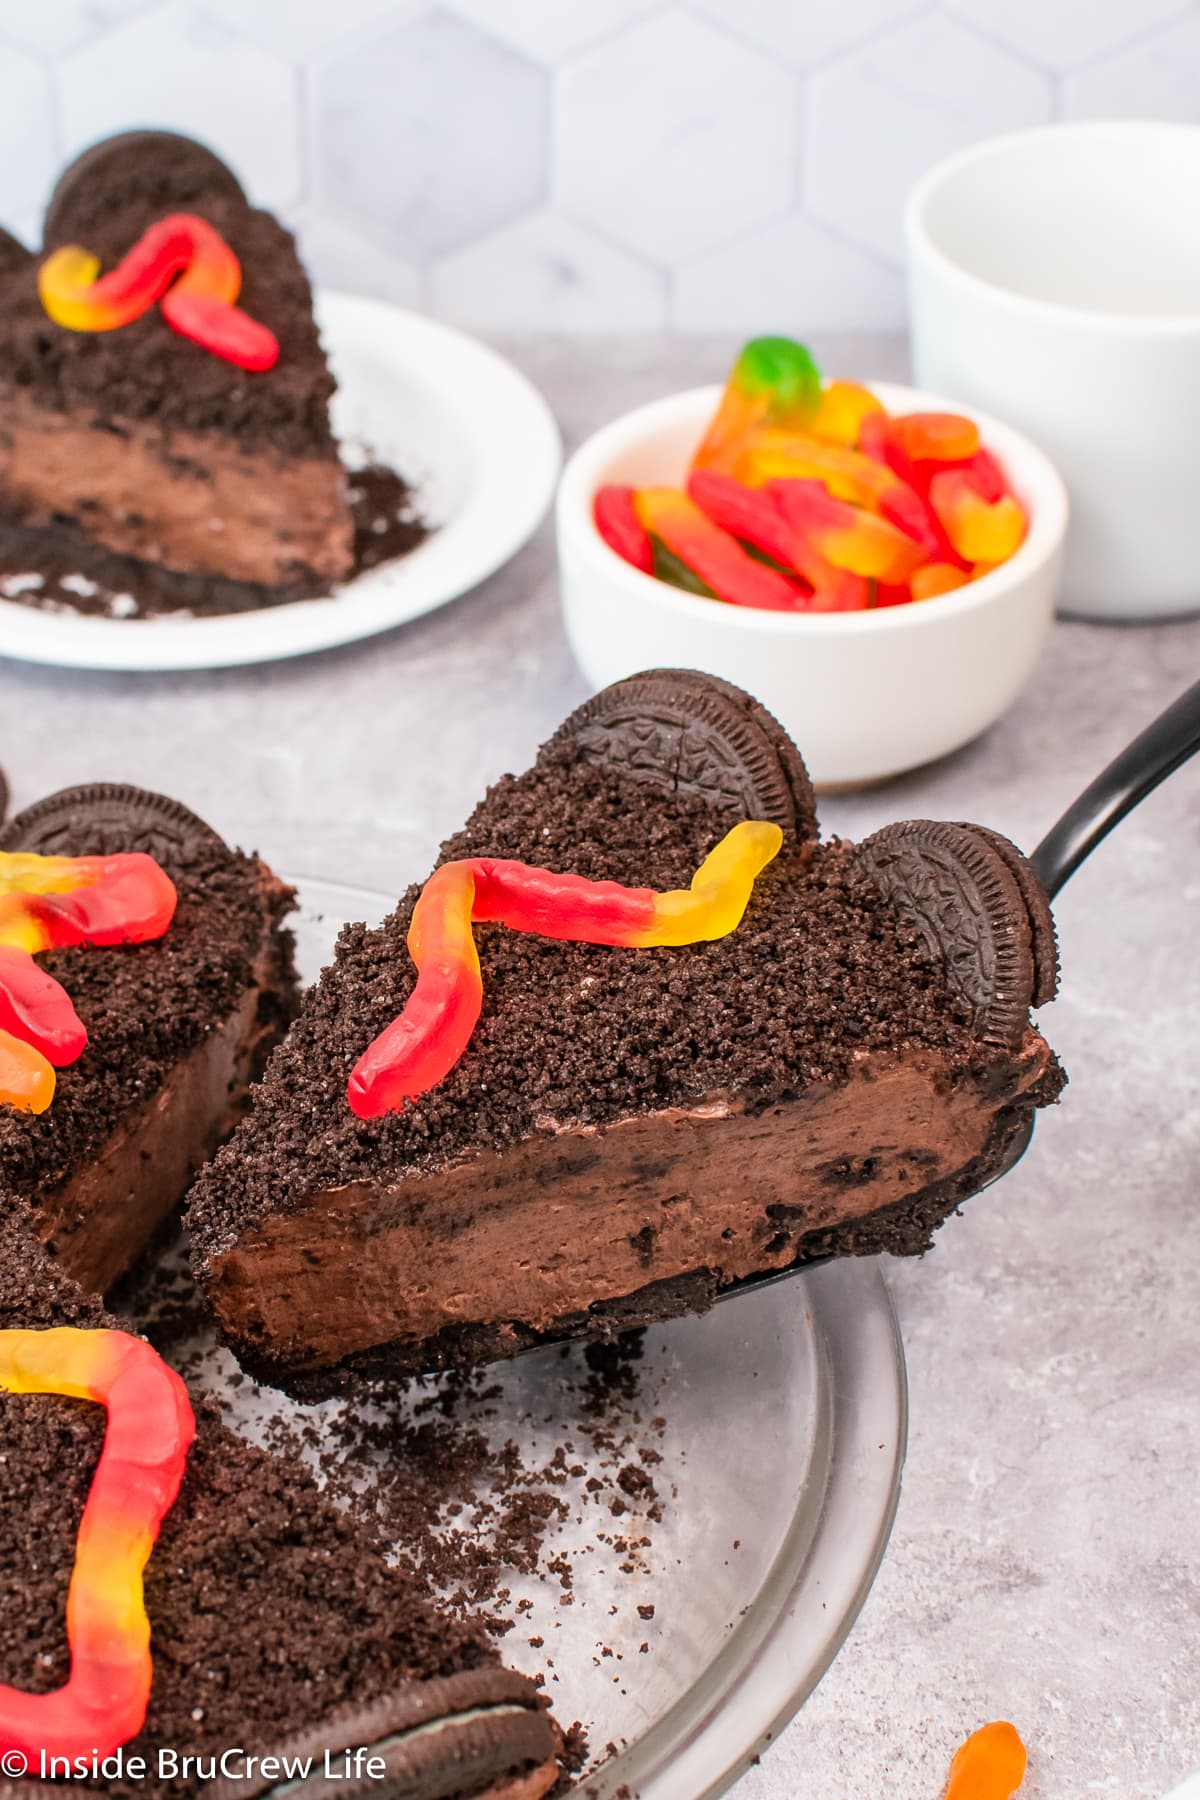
x=694 y=734
x=137 y=466
x=177 y=1029
x=111 y=817
x=630 y=1130
x=969 y=893
x=277 y=1625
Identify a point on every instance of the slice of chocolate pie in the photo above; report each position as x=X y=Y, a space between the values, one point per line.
x=136 y=460
x=280 y=1637
x=176 y=1029
x=630 y=1130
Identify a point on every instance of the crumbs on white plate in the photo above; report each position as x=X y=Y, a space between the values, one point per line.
x=79 y=584
x=13 y=585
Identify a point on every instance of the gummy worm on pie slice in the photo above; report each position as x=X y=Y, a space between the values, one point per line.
x=56 y=903
x=181 y=262
x=420 y=1047
x=149 y=1432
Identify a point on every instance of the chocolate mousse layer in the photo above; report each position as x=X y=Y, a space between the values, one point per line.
x=277 y=1624
x=177 y=1030
x=630 y=1131
x=186 y=500
x=139 y=444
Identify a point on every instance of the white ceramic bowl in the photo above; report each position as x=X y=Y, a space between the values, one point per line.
x=1054 y=278
x=865 y=695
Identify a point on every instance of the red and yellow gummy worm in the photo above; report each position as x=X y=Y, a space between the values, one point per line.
x=149 y=1432
x=54 y=903
x=181 y=261
x=418 y=1049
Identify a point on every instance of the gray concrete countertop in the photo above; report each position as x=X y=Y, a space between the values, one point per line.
x=1046 y=1560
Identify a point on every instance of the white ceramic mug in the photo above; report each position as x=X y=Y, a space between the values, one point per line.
x=1054 y=280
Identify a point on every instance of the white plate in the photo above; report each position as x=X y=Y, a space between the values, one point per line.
x=785 y=1415
x=472 y=434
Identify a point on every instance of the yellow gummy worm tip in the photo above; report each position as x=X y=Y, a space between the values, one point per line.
x=713 y=905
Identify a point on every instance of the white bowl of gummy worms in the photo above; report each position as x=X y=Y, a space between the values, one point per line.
x=865 y=693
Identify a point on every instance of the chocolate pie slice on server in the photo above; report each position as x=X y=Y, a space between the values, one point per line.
x=630 y=1130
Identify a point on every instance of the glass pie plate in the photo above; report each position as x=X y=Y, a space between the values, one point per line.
x=781 y=1419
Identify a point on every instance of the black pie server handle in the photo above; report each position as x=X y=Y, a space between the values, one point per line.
x=1154 y=754
x=1165 y=745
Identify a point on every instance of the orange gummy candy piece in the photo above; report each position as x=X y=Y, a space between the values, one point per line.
x=989 y=1766
x=937 y=578
x=936 y=437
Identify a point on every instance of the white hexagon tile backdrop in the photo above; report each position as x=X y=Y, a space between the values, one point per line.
x=585 y=165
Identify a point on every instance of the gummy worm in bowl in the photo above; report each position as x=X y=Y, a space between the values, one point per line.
x=149 y=1433
x=420 y=1047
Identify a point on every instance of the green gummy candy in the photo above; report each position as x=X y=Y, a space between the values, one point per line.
x=669 y=568
x=784 y=369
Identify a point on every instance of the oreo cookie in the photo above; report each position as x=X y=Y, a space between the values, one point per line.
x=957 y=889
x=105 y=818
x=162 y=170
x=456 y=1734
x=691 y=733
x=1037 y=905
